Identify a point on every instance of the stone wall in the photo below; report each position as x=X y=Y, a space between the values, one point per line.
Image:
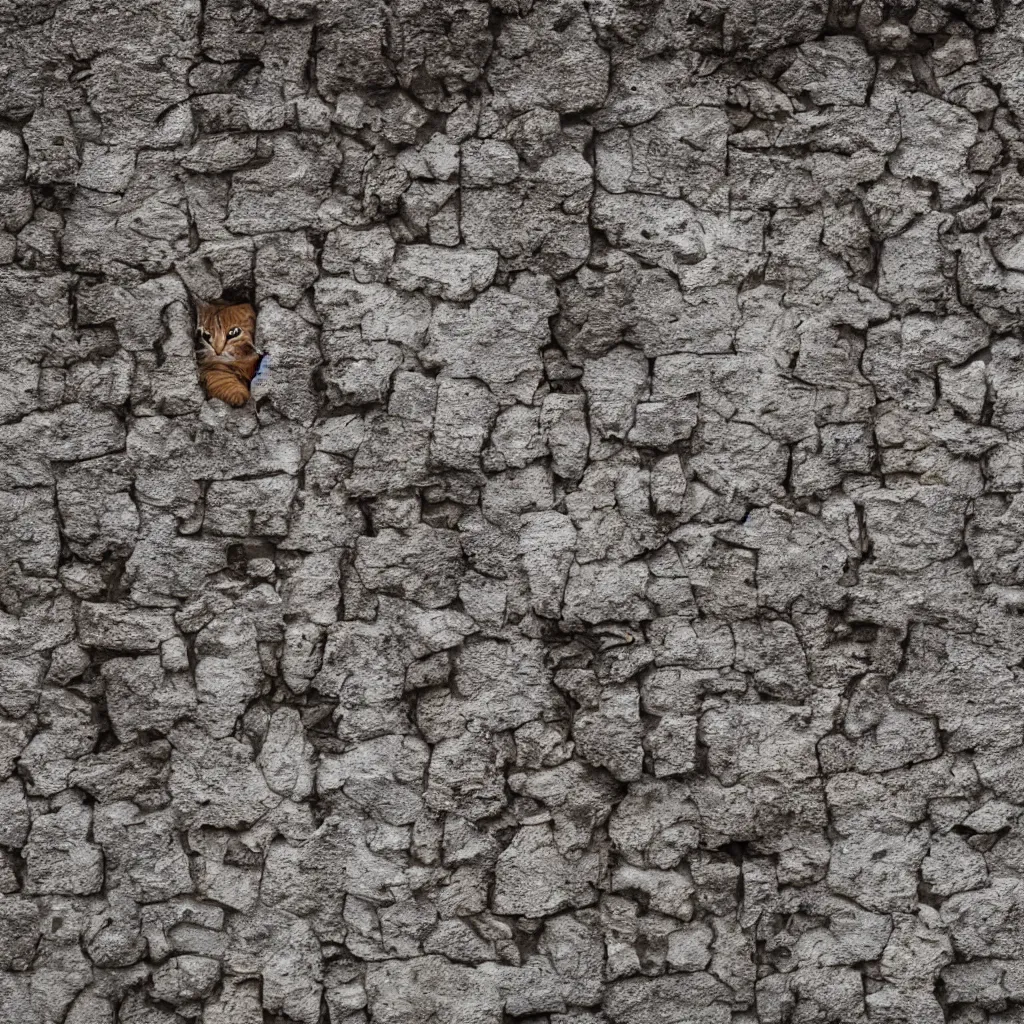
x=607 y=611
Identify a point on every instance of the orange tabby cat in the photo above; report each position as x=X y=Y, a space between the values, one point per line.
x=226 y=350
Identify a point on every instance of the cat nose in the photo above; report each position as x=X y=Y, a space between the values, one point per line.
x=219 y=345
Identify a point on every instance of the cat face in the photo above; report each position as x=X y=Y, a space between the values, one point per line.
x=225 y=333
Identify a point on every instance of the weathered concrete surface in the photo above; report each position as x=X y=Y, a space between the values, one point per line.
x=608 y=611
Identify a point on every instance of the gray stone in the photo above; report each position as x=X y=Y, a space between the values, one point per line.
x=606 y=607
x=424 y=565
x=497 y=339
x=533 y=879
x=142 y=697
x=610 y=735
x=60 y=859
x=453 y=274
x=118 y=628
x=430 y=989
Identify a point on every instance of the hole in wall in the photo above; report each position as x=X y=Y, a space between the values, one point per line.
x=224 y=343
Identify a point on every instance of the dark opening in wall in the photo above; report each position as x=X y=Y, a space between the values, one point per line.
x=225 y=347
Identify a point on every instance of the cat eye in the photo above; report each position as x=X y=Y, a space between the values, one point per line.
x=203 y=335
x=234 y=332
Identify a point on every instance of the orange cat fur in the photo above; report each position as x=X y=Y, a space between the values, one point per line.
x=226 y=350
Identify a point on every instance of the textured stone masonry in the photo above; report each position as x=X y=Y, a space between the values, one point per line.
x=608 y=610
